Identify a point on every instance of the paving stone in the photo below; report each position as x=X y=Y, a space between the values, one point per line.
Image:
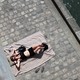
x=65 y=76
x=1 y=0
x=10 y=41
x=57 y=46
x=10 y=17
x=17 y=23
x=47 y=73
x=2 y=33
x=6 y=32
x=53 y=64
x=49 y=77
x=1 y=25
x=2 y=39
x=57 y=79
x=14 y=20
x=1 y=21
x=26 y=15
x=69 y=61
x=15 y=39
x=11 y=13
x=4 y=24
x=60 y=73
x=62 y=34
x=0 y=8
x=12 y=35
x=75 y=77
x=22 y=13
x=21 y=26
x=56 y=75
x=4 y=43
x=66 y=42
x=2 y=16
x=2 y=12
x=73 y=60
x=65 y=64
x=52 y=59
x=7 y=37
x=23 y=5
x=4 y=28
x=28 y=76
x=19 y=14
x=42 y=2
x=57 y=68
x=74 y=71
x=68 y=46
x=60 y=30
x=17 y=33
x=64 y=70
x=60 y=60
x=12 y=30
x=70 y=50
x=61 y=66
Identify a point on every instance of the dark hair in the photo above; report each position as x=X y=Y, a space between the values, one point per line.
x=45 y=46
x=11 y=57
x=21 y=48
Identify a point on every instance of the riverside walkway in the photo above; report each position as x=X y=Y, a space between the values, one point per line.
x=21 y=18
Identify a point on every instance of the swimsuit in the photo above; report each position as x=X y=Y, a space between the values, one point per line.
x=22 y=49
x=31 y=51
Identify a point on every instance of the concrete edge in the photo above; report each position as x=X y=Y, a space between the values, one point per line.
x=69 y=18
x=61 y=22
x=5 y=69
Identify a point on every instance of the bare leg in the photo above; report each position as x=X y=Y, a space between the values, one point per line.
x=34 y=47
x=37 y=50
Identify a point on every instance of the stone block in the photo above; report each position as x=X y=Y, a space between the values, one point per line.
x=1 y=25
x=57 y=68
x=5 y=43
x=2 y=39
x=27 y=76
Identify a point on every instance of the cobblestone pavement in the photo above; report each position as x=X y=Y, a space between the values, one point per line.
x=20 y=18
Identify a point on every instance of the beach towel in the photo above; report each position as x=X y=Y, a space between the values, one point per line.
x=31 y=63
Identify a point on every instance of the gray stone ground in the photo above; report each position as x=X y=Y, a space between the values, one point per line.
x=21 y=18
x=68 y=17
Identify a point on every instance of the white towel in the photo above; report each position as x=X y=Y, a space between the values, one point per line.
x=31 y=63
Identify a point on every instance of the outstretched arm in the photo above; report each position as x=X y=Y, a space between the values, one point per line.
x=18 y=64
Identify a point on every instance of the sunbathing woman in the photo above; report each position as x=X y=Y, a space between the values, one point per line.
x=22 y=53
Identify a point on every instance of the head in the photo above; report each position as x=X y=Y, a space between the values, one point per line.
x=12 y=58
x=45 y=46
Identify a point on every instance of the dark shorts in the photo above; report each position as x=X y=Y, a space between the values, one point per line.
x=31 y=51
x=21 y=51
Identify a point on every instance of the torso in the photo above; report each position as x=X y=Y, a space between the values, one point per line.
x=26 y=53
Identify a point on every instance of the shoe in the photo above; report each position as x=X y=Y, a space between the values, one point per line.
x=42 y=70
x=37 y=70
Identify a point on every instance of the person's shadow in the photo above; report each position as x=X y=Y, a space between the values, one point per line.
x=39 y=55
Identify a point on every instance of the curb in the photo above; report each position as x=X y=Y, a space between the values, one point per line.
x=70 y=21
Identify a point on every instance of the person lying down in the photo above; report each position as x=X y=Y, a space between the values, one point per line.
x=23 y=53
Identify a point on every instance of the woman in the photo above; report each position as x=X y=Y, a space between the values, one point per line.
x=22 y=53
